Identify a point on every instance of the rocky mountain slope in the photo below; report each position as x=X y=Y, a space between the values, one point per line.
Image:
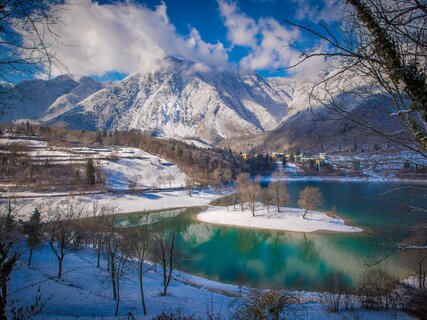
x=188 y=100
x=182 y=99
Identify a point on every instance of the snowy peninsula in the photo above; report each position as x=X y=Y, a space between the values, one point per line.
x=288 y=219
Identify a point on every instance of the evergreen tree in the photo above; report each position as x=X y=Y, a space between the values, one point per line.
x=32 y=229
x=90 y=172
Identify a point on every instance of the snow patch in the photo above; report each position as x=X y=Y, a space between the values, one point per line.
x=288 y=219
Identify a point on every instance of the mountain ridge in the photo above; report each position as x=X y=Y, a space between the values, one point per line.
x=188 y=100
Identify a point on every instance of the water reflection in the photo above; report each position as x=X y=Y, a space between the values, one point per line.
x=295 y=260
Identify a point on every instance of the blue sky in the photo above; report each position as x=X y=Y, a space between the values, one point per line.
x=110 y=39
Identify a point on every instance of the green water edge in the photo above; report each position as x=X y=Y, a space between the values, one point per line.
x=266 y=258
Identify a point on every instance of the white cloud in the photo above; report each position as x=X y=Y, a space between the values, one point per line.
x=319 y=10
x=124 y=37
x=269 y=42
x=242 y=30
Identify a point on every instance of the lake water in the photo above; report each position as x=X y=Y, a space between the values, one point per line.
x=301 y=260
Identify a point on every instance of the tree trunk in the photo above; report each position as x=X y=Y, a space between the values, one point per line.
x=60 y=267
x=113 y=279
x=165 y=286
x=30 y=258
x=169 y=274
x=305 y=213
x=141 y=287
x=414 y=84
x=118 y=296
x=163 y=261
x=3 y=301
x=98 y=251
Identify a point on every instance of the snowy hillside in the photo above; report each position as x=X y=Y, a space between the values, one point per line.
x=92 y=292
x=141 y=170
x=124 y=168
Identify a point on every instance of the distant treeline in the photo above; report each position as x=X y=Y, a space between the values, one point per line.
x=206 y=165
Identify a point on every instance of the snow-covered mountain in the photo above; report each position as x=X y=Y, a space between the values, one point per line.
x=182 y=99
x=189 y=100
x=42 y=100
x=340 y=115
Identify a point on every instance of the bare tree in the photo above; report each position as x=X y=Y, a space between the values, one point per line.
x=279 y=189
x=62 y=229
x=267 y=197
x=28 y=42
x=98 y=226
x=251 y=192
x=8 y=257
x=161 y=180
x=385 y=43
x=112 y=249
x=136 y=242
x=164 y=250
x=118 y=262
x=416 y=256
x=309 y=199
x=189 y=185
x=8 y=260
x=115 y=246
x=243 y=179
x=170 y=178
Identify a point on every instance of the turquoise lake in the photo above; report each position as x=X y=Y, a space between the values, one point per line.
x=268 y=259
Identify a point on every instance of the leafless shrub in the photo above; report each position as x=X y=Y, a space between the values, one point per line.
x=416 y=255
x=212 y=313
x=19 y=312
x=332 y=213
x=268 y=304
x=336 y=292
x=416 y=304
x=190 y=184
x=176 y=315
x=113 y=156
x=378 y=290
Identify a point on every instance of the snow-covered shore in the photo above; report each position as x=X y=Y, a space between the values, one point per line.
x=122 y=202
x=288 y=219
x=85 y=292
